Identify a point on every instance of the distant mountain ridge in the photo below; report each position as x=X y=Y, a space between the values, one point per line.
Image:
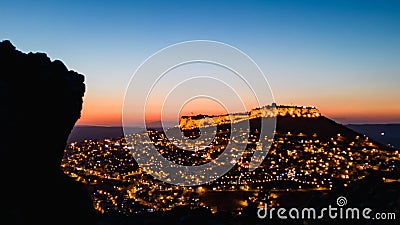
x=388 y=134
x=307 y=126
x=80 y=133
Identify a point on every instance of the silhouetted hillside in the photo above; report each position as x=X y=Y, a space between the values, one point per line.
x=322 y=126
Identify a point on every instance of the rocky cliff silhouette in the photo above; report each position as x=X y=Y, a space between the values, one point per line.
x=40 y=102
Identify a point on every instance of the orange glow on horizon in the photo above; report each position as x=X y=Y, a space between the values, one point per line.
x=104 y=113
x=109 y=113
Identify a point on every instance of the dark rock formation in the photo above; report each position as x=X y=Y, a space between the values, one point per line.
x=40 y=102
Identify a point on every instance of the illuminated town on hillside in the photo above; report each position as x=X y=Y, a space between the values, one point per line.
x=297 y=162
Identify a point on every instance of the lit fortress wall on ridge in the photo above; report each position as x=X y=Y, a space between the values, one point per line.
x=190 y=122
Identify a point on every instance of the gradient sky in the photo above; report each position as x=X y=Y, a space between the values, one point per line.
x=341 y=56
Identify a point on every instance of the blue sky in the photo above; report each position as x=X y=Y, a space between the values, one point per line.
x=342 y=56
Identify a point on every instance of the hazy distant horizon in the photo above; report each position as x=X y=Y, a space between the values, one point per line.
x=169 y=126
x=383 y=133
